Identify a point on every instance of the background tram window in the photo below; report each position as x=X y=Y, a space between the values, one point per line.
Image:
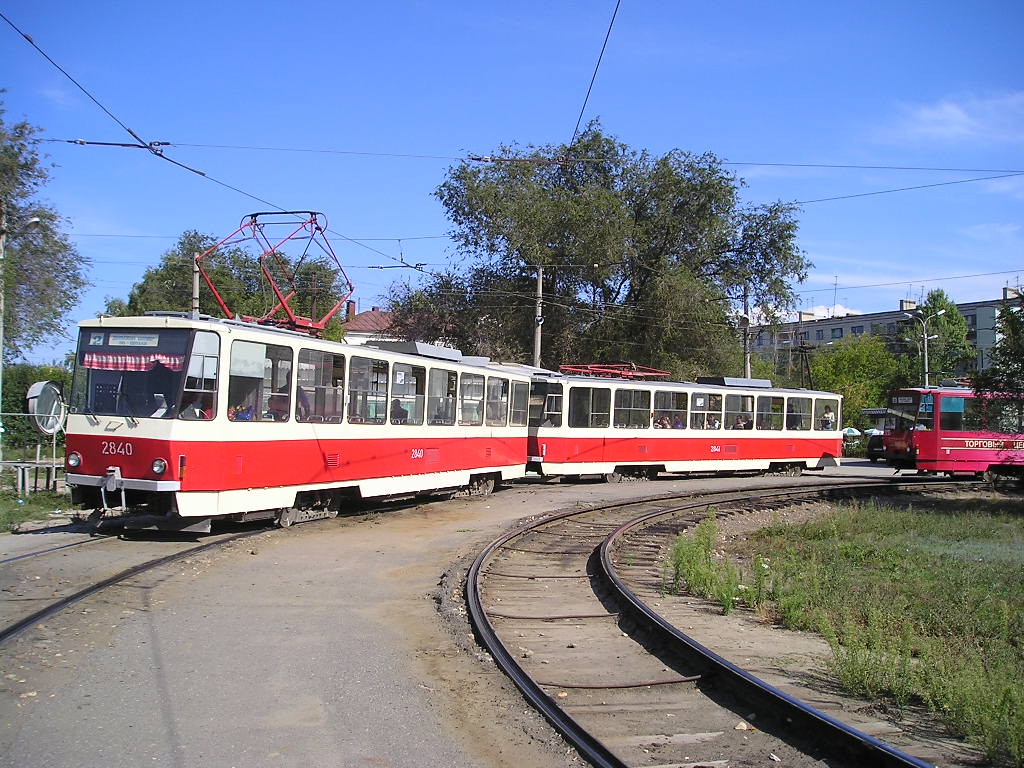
x=497 y=401
x=1004 y=416
x=408 y=393
x=705 y=410
x=442 y=387
x=367 y=391
x=199 y=398
x=321 y=386
x=798 y=413
x=259 y=382
x=545 y=404
x=739 y=412
x=589 y=407
x=670 y=410
x=632 y=409
x=520 y=403
x=769 y=412
x=826 y=413
x=471 y=400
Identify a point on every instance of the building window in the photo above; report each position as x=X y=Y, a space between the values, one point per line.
x=819 y=335
x=857 y=330
x=837 y=333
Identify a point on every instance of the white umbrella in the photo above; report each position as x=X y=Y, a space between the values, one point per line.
x=851 y=432
x=873 y=432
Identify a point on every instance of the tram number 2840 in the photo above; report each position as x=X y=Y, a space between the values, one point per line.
x=416 y=453
x=116 y=448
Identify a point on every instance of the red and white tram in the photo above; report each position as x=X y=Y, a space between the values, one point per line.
x=598 y=424
x=951 y=430
x=181 y=419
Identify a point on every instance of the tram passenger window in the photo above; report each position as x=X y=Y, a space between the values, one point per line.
x=769 y=412
x=670 y=410
x=1004 y=416
x=545 y=404
x=320 y=394
x=826 y=413
x=520 y=403
x=199 y=397
x=259 y=382
x=589 y=407
x=632 y=409
x=798 y=413
x=497 y=401
x=705 y=410
x=442 y=387
x=926 y=413
x=408 y=393
x=739 y=411
x=367 y=390
x=471 y=400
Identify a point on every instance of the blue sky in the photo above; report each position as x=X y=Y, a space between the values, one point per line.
x=936 y=85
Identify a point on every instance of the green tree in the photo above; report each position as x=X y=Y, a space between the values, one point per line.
x=950 y=353
x=643 y=258
x=1005 y=373
x=238 y=278
x=862 y=370
x=43 y=274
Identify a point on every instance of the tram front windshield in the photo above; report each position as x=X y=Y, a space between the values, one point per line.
x=909 y=411
x=144 y=373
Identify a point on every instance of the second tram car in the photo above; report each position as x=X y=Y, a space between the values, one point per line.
x=615 y=427
x=951 y=430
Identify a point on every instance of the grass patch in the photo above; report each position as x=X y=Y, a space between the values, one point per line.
x=921 y=604
x=33 y=506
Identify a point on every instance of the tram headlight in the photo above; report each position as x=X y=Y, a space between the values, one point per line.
x=74 y=460
x=159 y=466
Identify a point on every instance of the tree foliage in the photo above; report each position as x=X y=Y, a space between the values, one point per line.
x=1005 y=373
x=43 y=274
x=18 y=432
x=862 y=370
x=950 y=353
x=643 y=258
x=238 y=278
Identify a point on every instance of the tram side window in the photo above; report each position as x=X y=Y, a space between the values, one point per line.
x=705 y=410
x=826 y=413
x=320 y=395
x=739 y=411
x=471 y=400
x=670 y=410
x=545 y=404
x=959 y=414
x=520 y=403
x=199 y=397
x=798 y=413
x=442 y=388
x=408 y=393
x=632 y=409
x=769 y=412
x=259 y=382
x=367 y=390
x=926 y=413
x=589 y=407
x=1004 y=416
x=497 y=401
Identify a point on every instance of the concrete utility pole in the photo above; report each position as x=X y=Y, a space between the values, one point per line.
x=4 y=231
x=538 y=316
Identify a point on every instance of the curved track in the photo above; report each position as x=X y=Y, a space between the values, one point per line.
x=624 y=685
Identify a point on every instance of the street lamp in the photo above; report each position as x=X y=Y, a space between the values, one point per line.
x=4 y=231
x=924 y=335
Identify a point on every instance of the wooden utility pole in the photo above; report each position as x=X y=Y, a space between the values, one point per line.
x=538 y=317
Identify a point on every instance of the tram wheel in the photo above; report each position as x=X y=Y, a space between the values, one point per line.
x=612 y=477
x=482 y=486
x=286 y=518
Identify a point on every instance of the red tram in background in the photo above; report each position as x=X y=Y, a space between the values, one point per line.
x=951 y=430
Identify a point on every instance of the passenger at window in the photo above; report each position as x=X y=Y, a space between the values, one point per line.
x=398 y=414
x=677 y=423
x=828 y=418
x=278 y=407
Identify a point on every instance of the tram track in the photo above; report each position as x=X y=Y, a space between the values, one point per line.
x=575 y=592
x=32 y=599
